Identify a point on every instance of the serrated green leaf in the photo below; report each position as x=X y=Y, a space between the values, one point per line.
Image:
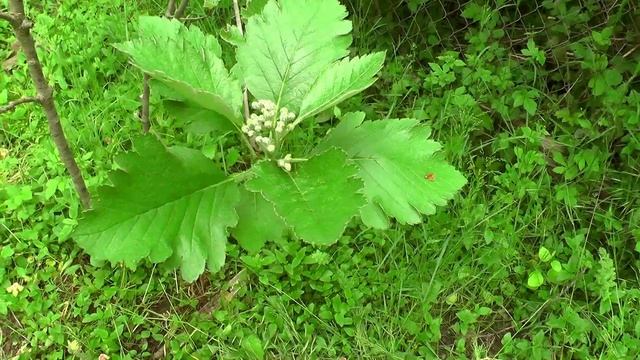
x=341 y=81
x=257 y=222
x=518 y=98
x=473 y=11
x=289 y=45
x=197 y=120
x=232 y=35
x=530 y=106
x=612 y=77
x=210 y=4
x=544 y=254
x=6 y=252
x=317 y=199
x=253 y=347
x=535 y=280
x=253 y=7
x=158 y=88
x=602 y=38
x=163 y=203
x=402 y=177
x=484 y=311
x=452 y=299
x=598 y=84
x=188 y=62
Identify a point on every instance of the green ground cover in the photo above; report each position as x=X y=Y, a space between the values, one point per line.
x=538 y=105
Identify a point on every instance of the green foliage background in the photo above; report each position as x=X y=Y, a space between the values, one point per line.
x=536 y=102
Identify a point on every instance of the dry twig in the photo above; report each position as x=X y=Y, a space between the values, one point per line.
x=181 y=9
x=22 y=29
x=13 y=104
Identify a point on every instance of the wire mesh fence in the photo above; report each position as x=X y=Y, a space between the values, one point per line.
x=578 y=38
x=553 y=24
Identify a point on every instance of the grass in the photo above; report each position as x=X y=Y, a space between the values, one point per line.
x=458 y=287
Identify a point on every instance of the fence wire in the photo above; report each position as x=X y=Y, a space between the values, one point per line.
x=558 y=27
x=553 y=24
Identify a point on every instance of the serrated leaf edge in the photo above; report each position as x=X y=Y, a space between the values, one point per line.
x=338 y=98
x=344 y=228
x=416 y=126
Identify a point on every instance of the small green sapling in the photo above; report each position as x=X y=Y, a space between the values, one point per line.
x=173 y=206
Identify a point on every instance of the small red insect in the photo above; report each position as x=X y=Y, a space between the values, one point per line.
x=430 y=177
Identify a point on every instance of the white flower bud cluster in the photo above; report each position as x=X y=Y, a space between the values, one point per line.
x=262 y=126
x=285 y=162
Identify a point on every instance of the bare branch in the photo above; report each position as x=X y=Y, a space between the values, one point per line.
x=171 y=9
x=22 y=30
x=181 y=8
x=13 y=104
x=245 y=93
x=236 y=11
x=171 y=12
x=144 y=115
x=10 y=18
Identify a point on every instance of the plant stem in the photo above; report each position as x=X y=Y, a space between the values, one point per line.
x=245 y=93
x=13 y=104
x=171 y=9
x=181 y=8
x=144 y=114
x=22 y=29
x=10 y=18
x=171 y=12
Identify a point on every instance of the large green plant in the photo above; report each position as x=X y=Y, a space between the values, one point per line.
x=173 y=206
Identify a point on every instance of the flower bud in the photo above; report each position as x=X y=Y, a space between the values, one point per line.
x=285 y=162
